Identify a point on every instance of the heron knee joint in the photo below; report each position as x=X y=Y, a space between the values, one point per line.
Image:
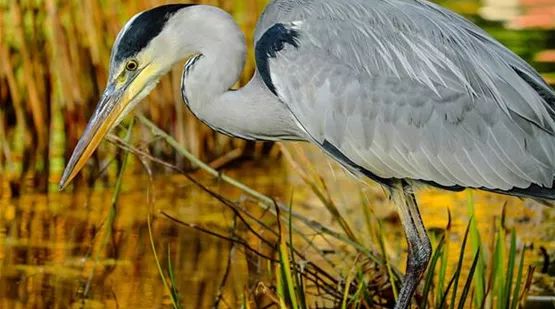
x=420 y=255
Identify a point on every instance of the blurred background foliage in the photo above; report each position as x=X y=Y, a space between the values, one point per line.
x=54 y=58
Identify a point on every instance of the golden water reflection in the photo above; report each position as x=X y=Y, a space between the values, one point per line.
x=48 y=245
x=51 y=252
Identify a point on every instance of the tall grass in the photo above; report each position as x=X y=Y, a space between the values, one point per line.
x=459 y=291
x=54 y=58
x=366 y=277
x=499 y=283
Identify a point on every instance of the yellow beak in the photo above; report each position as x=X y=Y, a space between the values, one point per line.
x=104 y=118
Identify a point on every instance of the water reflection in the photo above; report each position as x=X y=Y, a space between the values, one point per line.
x=52 y=253
x=52 y=250
x=53 y=256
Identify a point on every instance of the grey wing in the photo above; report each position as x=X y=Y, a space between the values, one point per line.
x=406 y=89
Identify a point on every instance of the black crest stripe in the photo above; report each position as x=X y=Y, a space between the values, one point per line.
x=144 y=28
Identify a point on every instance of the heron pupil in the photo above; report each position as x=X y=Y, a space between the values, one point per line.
x=132 y=65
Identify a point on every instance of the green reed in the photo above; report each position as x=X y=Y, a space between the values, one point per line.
x=504 y=292
x=494 y=282
x=174 y=296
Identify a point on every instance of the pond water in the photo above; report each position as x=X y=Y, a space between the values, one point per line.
x=56 y=251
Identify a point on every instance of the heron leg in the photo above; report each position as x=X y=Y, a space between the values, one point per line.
x=419 y=247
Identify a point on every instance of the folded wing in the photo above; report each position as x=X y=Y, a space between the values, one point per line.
x=406 y=89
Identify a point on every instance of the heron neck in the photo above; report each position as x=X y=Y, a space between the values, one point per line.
x=251 y=112
x=220 y=53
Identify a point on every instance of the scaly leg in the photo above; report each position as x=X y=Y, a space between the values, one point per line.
x=419 y=245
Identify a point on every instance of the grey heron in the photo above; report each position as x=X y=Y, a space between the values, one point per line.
x=400 y=91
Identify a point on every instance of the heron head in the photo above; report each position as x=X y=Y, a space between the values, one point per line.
x=144 y=50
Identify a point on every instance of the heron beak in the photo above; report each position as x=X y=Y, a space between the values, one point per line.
x=109 y=110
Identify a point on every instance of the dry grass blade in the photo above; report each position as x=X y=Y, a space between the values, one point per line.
x=175 y=302
x=267 y=203
x=35 y=104
x=310 y=272
x=319 y=188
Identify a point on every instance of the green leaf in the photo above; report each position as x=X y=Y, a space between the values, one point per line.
x=431 y=272
x=510 y=268
x=160 y=271
x=476 y=242
x=466 y=288
x=518 y=281
x=499 y=291
x=458 y=270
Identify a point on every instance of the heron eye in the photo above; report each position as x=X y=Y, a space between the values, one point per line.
x=132 y=65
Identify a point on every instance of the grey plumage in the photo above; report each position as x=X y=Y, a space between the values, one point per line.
x=408 y=89
x=395 y=90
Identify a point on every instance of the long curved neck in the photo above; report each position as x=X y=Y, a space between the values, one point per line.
x=251 y=112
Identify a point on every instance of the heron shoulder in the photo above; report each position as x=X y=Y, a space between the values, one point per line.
x=273 y=41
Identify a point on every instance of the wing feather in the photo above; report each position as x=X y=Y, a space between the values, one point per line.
x=407 y=89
